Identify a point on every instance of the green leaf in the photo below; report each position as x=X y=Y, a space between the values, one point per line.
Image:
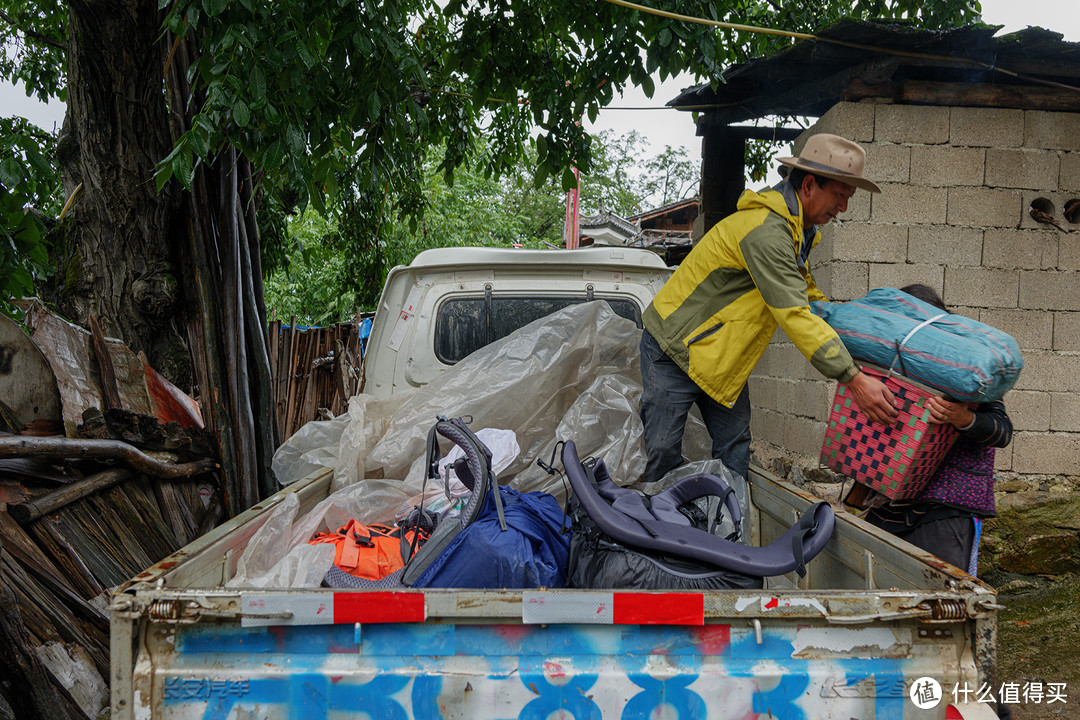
x=647 y=85
x=305 y=55
x=11 y=172
x=241 y=113
x=258 y=83
x=374 y=106
x=162 y=175
x=215 y=7
x=569 y=180
x=541 y=148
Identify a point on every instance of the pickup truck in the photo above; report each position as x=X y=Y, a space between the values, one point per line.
x=876 y=628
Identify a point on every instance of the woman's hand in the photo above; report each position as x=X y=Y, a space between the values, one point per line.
x=949 y=412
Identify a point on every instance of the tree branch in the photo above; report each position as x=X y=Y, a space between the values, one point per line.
x=62 y=447
x=44 y=39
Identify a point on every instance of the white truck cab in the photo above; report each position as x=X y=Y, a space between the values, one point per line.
x=484 y=294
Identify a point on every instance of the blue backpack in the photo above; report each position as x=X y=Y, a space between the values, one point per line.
x=502 y=538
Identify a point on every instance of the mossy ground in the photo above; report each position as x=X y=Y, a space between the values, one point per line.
x=1039 y=642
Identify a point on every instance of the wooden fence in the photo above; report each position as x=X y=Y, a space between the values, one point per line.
x=316 y=371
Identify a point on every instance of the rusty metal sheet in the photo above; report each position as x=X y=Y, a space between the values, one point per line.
x=27 y=384
x=67 y=349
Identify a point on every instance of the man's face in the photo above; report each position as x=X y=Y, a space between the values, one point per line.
x=822 y=203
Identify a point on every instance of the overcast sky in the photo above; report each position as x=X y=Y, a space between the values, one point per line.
x=663 y=126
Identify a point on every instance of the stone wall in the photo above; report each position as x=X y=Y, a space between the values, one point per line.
x=957 y=186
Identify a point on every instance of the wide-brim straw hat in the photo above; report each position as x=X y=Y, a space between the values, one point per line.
x=833 y=157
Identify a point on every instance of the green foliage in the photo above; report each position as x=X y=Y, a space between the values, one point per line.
x=335 y=101
x=310 y=289
x=333 y=97
x=33 y=37
x=336 y=265
x=27 y=177
x=624 y=180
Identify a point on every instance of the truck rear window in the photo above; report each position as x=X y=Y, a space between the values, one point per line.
x=464 y=325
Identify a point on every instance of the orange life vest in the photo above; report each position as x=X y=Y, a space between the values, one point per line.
x=369 y=551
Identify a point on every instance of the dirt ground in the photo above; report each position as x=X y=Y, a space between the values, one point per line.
x=1039 y=644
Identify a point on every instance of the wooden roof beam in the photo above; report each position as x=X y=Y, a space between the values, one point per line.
x=920 y=92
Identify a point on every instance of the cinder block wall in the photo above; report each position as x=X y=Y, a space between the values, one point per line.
x=957 y=186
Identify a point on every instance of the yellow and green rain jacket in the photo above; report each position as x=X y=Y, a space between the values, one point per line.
x=746 y=276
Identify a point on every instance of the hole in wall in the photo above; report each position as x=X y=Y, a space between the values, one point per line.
x=1072 y=210
x=1042 y=210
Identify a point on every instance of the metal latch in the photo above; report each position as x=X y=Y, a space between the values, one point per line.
x=188 y=612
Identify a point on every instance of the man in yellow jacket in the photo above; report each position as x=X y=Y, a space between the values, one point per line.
x=709 y=325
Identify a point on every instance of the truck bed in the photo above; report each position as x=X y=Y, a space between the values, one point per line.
x=872 y=615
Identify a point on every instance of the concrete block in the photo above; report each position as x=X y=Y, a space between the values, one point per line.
x=858 y=207
x=910 y=204
x=1048 y=290
x=889 y=163
x=1069 y=251
x=768 y=426
x=1051 y=130
x=1049 y=372
x=789 y=365
x=983 y=207
x=868 y=242
x=1067 y=331
x=897 y=276
x=813 y=397
x=1022 y=168
x=945 y=245
x=1070 y=172
x=803 y=436
x=854 y=121
x=936 y=166
x=769 y=363
x=1065 y=412
x=785 y=396
x=1032 y=329
x=986 y=127
x=981 y=287
x=1046 y=453
x=919 y=124
x=1003 y=458
x=785 y=362
x=762 y=391
x=1052 y=203
x=1028 y=410
x=842 y=281
x=1020 y=249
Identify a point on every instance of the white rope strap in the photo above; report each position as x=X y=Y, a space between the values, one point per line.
x=900 y=345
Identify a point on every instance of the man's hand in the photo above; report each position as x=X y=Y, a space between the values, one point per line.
x=873 y=398
x=950 y=412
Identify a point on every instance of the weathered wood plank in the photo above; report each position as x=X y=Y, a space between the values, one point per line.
x=33 y=509
x=36 y=695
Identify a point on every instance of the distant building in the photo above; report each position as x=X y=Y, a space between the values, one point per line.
x=665 y=230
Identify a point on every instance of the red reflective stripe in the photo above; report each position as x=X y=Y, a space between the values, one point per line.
x=379 y=607
x=659 y=609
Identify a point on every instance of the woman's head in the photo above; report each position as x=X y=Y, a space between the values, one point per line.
x=925 y=293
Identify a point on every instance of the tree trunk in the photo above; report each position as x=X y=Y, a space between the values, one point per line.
x=116 y=254
x=176 y=273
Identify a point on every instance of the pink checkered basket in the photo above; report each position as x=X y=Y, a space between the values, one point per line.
x=895 y=461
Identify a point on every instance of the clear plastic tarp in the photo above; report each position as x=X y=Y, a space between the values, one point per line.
x=573 y=375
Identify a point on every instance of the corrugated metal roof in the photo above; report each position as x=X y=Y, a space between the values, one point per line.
x=855 y=59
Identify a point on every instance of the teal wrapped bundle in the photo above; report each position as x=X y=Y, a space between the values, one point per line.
x=960 y=357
